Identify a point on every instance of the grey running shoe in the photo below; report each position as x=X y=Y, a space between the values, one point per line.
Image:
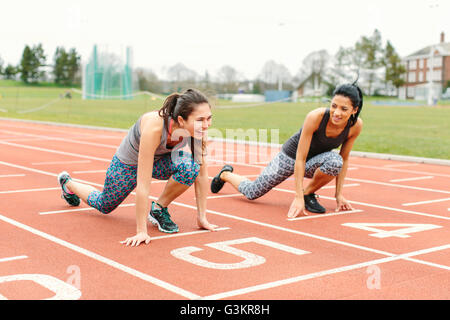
x=160 y=217
x=70 y=197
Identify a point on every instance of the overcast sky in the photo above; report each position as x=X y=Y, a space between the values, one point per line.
x=207 y=34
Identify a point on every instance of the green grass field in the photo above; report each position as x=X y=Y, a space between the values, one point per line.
x=419 y=131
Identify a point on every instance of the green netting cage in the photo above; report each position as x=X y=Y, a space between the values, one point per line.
x=108 y=75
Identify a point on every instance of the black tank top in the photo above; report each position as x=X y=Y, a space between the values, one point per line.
x=320 y=143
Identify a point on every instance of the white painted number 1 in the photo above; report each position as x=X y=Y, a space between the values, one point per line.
x=249 y=259
x=402 y=229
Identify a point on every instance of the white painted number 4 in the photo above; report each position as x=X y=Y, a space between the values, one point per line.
x=249 y=259
x=402 y=230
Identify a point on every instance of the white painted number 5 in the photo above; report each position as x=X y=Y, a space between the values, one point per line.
x=249 y=259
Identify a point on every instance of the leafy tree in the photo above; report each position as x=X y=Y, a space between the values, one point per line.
x=73 y=66
x=10 y=72
x=394 y=67
x=30 y=65
x=66 y=65
x=371 y=52
x=60 y=65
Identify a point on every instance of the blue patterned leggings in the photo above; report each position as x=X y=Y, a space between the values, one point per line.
x=121 y=179
x=282 y=167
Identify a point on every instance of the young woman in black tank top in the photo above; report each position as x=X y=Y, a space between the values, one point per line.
x=308 y=153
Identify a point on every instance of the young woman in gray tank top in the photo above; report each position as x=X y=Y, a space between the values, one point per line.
x=152 y=148
x=308 y=153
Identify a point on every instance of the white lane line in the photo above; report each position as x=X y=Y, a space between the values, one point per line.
x=424 y=202
x=403 y=170
x=181 y=234
x=60 y=162
x=314 y=275
x=412 y=179
x=376 y=206
x=28 y=190
x=253 y=221
x=135 y=273
x=234 y=217
x=397 y=185
x=89 y=171
x=54 y=151
x=225 y=196
x=11 y=175
x=80 y=209
x=13 y=258
x=65 y=140
x=325 y=215
x=400 y=165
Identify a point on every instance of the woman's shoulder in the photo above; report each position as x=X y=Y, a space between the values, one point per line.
x=316 y=114
x=356 y=128
x=152 y=120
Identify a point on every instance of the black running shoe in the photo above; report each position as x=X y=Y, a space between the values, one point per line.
x=217 y=183
x=160 y=217
x=312 y=205
x=70 y=197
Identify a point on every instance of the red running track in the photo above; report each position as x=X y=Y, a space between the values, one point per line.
x=395 y=244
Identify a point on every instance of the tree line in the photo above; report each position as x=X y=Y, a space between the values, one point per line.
x=33 y=67
x=376 y=64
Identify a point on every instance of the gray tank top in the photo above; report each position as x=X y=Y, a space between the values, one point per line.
x=128 y=150
x=320 y=143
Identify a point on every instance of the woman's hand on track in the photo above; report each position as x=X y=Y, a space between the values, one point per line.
x=342 y=204
x=137 y=239
x=297 y=207
x=204 y=224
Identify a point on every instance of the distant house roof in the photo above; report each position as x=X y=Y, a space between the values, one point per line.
x=443 y=48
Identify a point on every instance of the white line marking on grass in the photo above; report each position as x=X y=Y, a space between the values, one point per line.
x=425 y=202
x=314 y=275
x=411 y=179
x=107 y=261
x=60 y=162
x=325 y=215
x=28 y=190
x=13 y=258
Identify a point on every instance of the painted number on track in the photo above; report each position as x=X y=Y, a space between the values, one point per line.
x=61 y=289
x=249 y=259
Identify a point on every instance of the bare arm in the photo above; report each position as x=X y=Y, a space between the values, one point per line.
x=347 y=146
x=201 y=190
x=310 y=125
x=151 y=129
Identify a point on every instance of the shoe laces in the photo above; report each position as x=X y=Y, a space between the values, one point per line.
x=163 y=213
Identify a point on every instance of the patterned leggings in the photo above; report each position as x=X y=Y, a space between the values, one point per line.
x=282 y=167
x=121 y=179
